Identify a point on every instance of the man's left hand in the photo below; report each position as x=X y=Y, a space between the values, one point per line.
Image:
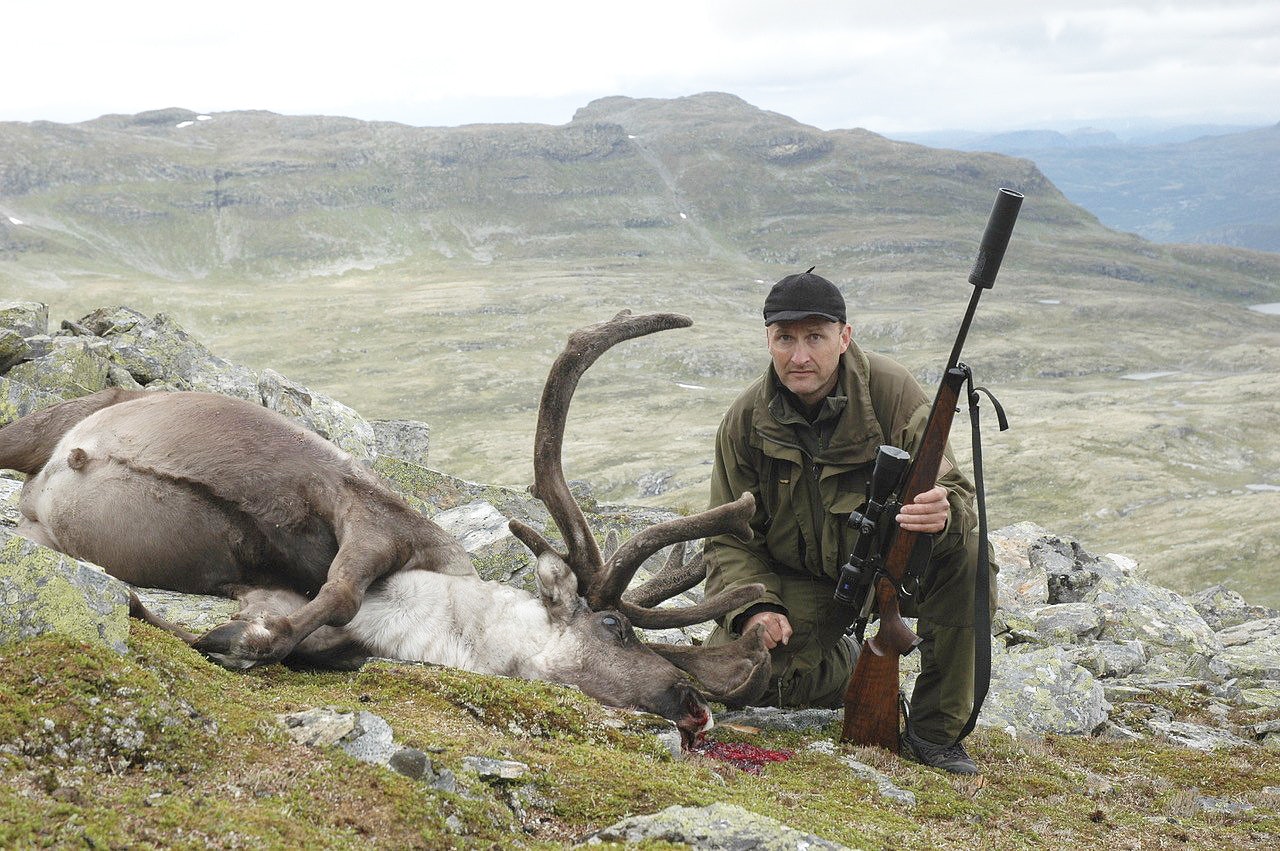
x=927 y=512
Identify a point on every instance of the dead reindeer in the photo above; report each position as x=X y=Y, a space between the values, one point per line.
x=208 y=494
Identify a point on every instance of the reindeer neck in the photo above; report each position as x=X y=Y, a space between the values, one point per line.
x=457 y=620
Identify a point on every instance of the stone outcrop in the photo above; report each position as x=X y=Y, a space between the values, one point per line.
x=120 y=347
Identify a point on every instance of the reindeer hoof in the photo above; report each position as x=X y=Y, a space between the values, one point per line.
x=239 y=645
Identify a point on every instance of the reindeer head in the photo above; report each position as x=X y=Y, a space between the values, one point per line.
x=583 y=588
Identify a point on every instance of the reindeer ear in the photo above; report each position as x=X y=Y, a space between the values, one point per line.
x=557 y=586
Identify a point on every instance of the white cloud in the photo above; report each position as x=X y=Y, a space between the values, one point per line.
x=989 y=64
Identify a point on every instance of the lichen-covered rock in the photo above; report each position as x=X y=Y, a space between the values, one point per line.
x=1160 y=618
x=1196 y=736
x=1223 y=608
x=1041 y=691
x=161 y=355
x=13 y=348
x=67 y=371
x=18 y=399
x=407 y=439
x=1021 y=584
x=1252 y=651
x=25 y=318
x=1062 y=623
x=484 y=533
x=718 y=827
x=332 y=420
x=43 y=591
x=192 y=612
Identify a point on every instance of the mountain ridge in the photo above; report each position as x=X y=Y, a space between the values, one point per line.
x=431 y=273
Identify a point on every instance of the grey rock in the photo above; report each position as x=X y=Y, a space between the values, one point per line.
x=655 y=483
x=783 y=720
x=161 y=355
x=1223 y=608
x=362 y=735
x=370 y=740
x=45 y=592
x=1041 y=691
x=193 y=612
x=1136 y=609
x=24 y=318
x=487 y=768
x=318 y=728
x=1222 y=806
x=18 y=399
x=1021 y=584
x=1196 y=736
x=409 y=440
x=412 y=763
x=718 y=827
x=1252 y=651
x=884 y=785
x=13 y=348
x=495 y=553
x=332 y=420
x=67 y=371
x=1063 y=623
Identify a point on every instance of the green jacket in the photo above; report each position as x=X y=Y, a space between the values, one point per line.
x=805 y=490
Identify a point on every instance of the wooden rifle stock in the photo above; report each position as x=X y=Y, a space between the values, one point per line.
x=871 y=700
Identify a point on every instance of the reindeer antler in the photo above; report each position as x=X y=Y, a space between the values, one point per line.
x=602 y=581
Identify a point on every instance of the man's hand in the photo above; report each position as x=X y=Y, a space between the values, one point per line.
x=927 y=512
x=777 y=629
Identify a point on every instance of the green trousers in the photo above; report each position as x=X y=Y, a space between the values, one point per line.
x=813 y=668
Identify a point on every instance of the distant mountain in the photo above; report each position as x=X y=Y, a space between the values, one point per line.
x=1188 y=184
x=433 y=273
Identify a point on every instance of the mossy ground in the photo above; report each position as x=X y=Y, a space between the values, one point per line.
x=163 y=749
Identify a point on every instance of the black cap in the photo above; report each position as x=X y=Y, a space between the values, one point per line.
x=801 y=296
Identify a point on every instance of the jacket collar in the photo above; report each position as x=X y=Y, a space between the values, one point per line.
x=857 y=434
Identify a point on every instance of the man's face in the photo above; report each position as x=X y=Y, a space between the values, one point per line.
x=806 y=353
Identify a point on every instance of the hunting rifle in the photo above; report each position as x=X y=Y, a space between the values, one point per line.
x=884 y=556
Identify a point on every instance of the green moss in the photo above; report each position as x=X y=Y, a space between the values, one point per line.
x=172 y=751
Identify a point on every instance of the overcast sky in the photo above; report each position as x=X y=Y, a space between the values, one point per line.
x=906 y=66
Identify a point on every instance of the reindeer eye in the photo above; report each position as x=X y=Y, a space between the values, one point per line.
x=615 y=624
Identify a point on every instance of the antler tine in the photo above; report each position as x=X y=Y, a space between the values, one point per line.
x=709 y=609
x=733 y=518
x=584 y=347
x=674 y=578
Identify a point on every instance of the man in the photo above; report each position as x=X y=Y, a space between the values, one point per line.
x=802 y=439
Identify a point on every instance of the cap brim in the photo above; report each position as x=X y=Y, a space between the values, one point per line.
x=792 y=315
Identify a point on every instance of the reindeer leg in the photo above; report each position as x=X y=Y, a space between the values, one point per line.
x=269 y=637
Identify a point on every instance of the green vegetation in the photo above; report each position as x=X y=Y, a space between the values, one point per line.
x=162 y=749
x=433 y=274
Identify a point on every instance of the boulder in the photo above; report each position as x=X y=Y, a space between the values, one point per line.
x=67 y=371
x=160 y=355
x=13 y=348
x=1041 y=691
x=409 y=440
x=1223 y=608
x=18 y=399
x=43 y=592
x=718 y=827
x=1252 y=651
x=329 y=418
x=1021 y=583
x=24 y=318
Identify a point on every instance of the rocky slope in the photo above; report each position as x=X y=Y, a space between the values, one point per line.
x=1120 y=712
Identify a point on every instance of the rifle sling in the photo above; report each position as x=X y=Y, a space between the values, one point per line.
x=981 y=589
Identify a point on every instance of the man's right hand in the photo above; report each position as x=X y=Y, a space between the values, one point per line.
x=777 y=629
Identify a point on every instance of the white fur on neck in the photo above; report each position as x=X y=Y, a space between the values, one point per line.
x=460 y=621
